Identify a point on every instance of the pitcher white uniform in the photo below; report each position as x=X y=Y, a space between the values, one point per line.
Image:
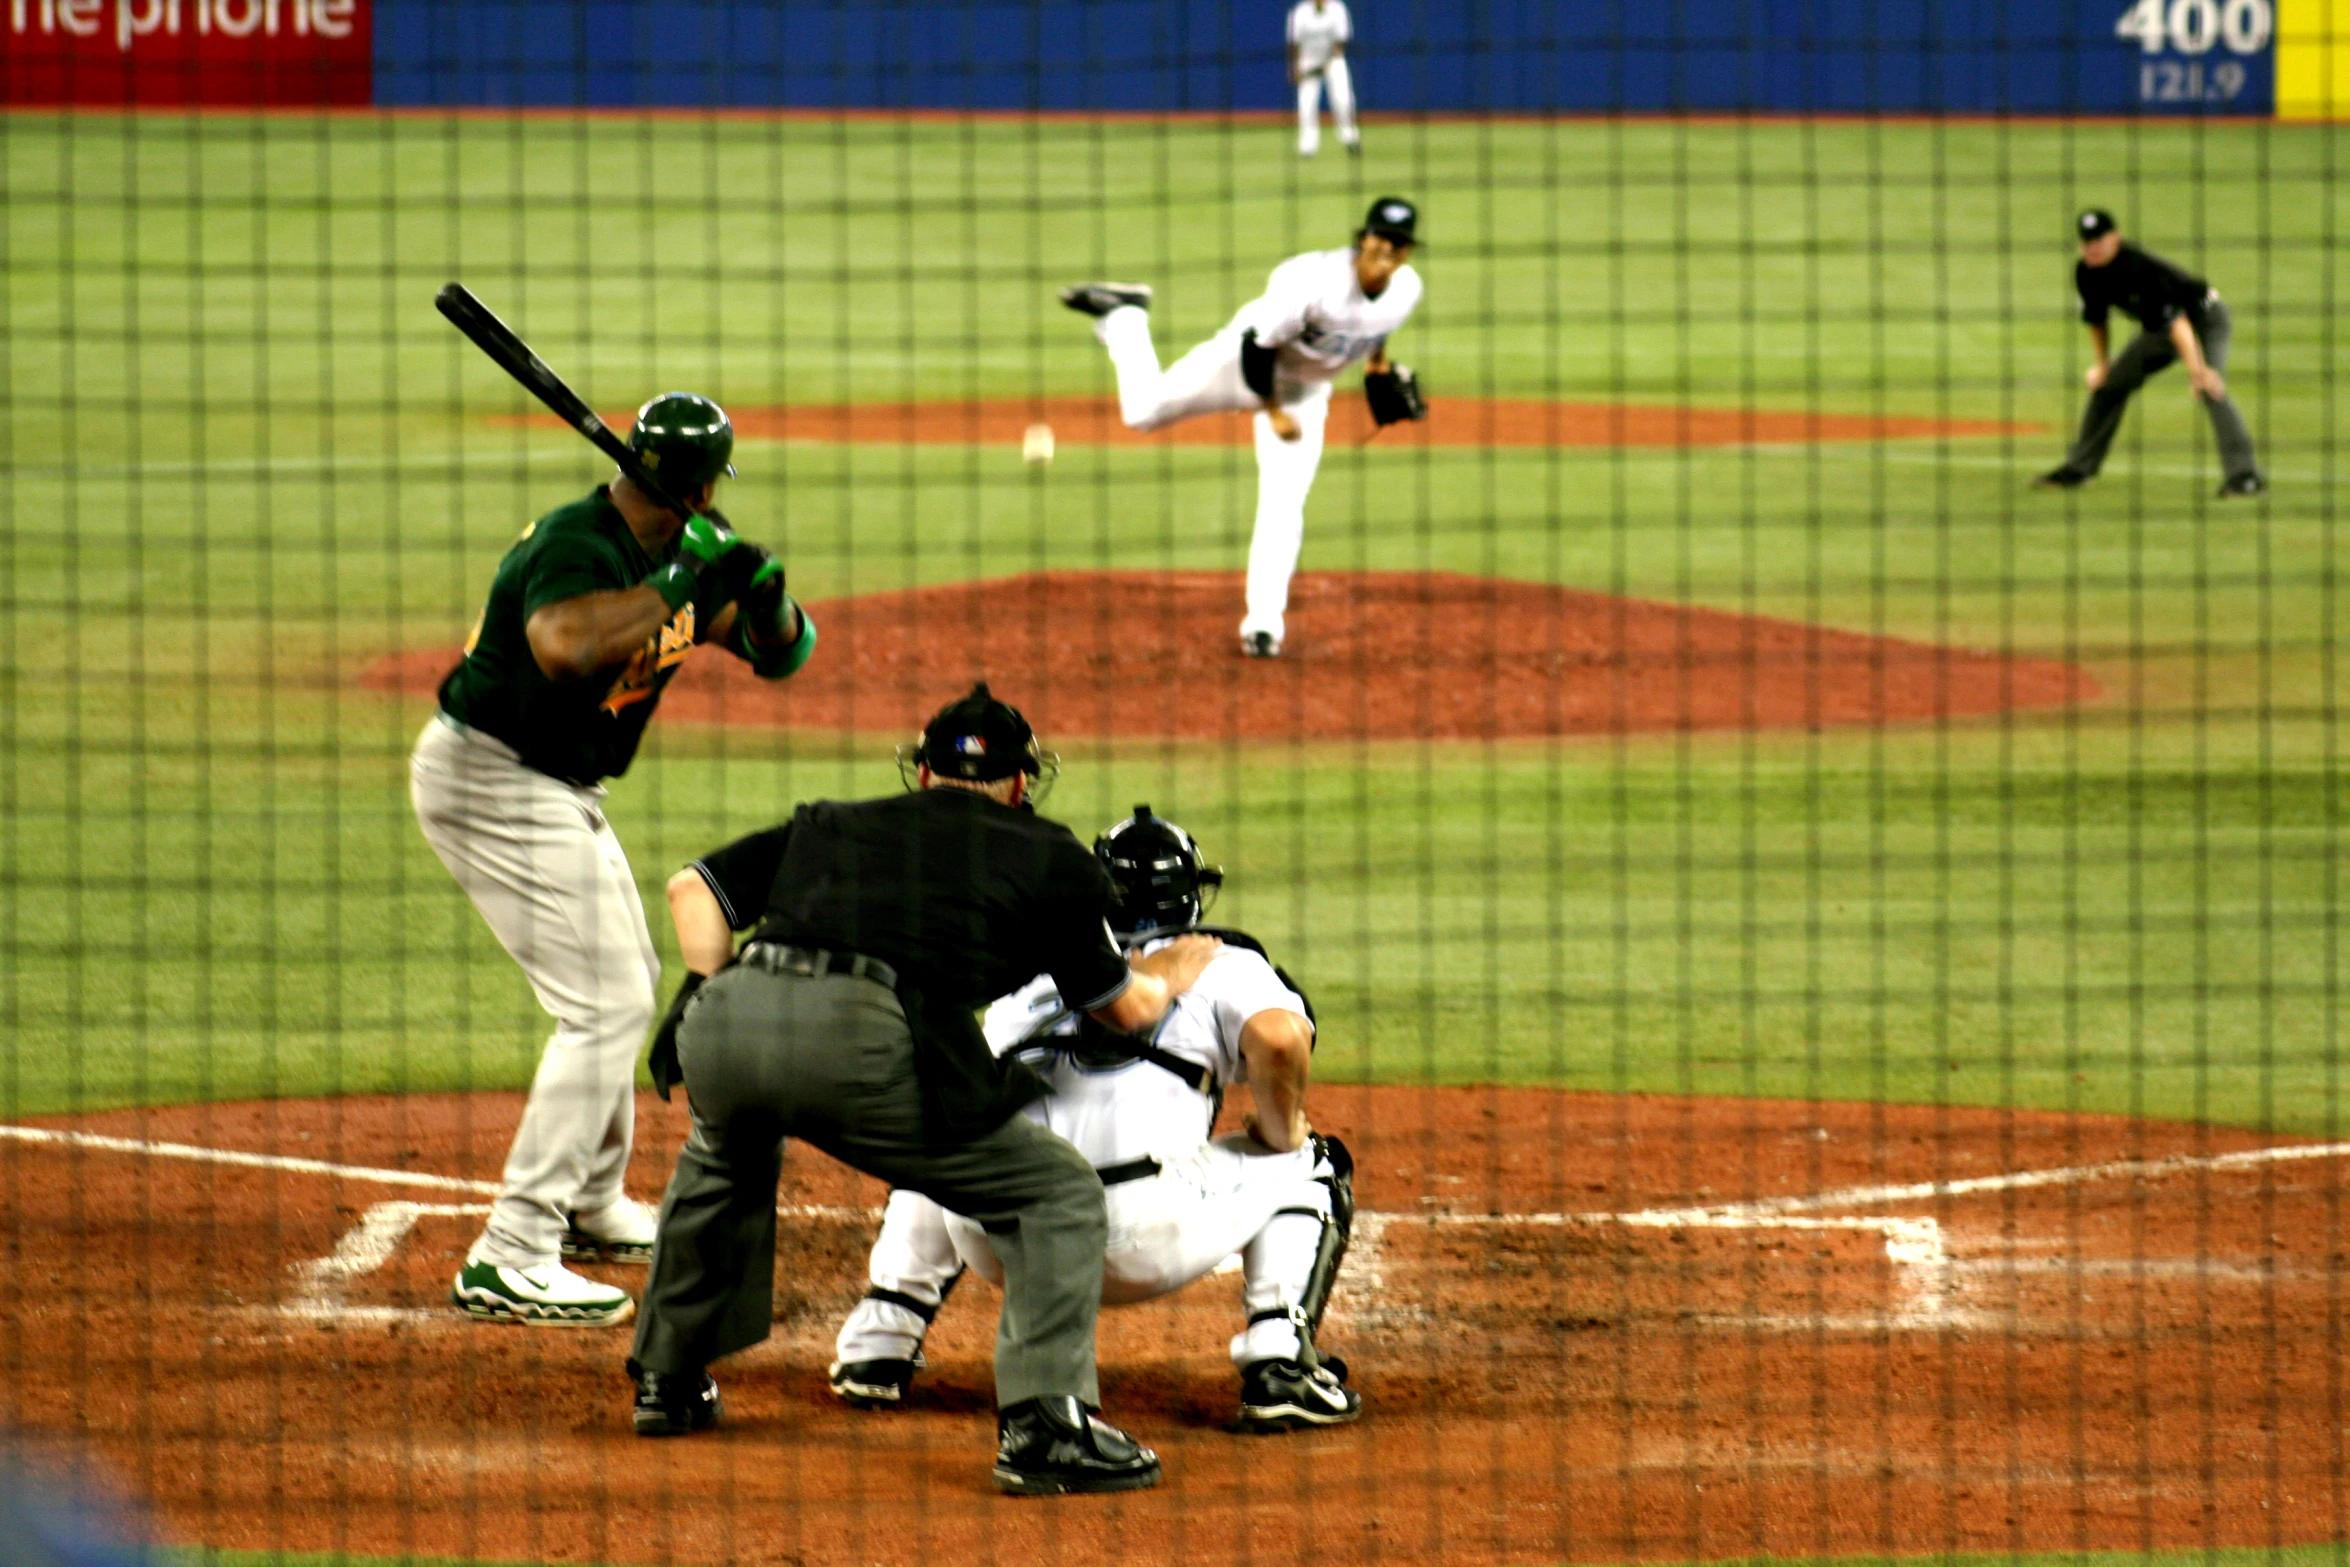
x=1319 y=34
x=1179 y=1202
x=1314 y=313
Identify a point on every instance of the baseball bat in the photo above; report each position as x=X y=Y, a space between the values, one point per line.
x=512 y=355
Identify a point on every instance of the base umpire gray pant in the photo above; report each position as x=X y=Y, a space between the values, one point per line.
x=830 y=1060
x=2145 y=354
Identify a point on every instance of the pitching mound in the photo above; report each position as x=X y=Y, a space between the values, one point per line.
x=1452 y=421
x=1585 y=1327
x=1371 y=655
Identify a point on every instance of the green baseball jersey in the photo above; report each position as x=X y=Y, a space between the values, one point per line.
x=581 y=730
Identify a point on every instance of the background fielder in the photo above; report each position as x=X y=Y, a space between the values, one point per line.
x=1320 y=312
x=591 y=612
x=1179 y=1202
x=1319 y=31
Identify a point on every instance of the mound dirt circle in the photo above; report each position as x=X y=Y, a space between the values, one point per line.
x=1370 y=656
x=1587 y=1327
x=1489 y=422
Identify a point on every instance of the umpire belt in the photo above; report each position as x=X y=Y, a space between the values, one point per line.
x=814 y=963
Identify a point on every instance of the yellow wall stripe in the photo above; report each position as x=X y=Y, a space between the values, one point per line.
x=2313 y=59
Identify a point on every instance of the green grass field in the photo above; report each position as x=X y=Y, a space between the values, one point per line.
x=244 y=456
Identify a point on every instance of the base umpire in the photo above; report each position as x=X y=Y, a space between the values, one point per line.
x=2181 y=318
x=847 y=1021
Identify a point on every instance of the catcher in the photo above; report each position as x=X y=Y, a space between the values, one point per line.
x=1140 y=1111
x=1320 y=313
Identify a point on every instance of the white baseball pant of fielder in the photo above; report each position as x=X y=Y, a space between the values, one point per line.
x=1207 y=380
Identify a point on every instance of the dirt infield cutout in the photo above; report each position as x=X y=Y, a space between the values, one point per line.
x=1588 y=1327
x=1371 y=655
x=1452 y=421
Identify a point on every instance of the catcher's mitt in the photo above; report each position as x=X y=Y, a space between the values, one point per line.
x=1394 y=396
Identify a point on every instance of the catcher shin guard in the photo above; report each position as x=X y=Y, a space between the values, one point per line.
x=1334 y=1169
x=1334 y=1172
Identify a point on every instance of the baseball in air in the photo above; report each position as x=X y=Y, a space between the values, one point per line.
x=1036 y=446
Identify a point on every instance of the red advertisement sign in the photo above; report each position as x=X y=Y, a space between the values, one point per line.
x=186 y=52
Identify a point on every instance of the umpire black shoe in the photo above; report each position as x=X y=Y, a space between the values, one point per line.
x=2061 y=478
x=874 y=1384
x=675 y=1403
x=2243 y=484
x=1099 y=299
x=1283 y=1395
x=1056 y=1447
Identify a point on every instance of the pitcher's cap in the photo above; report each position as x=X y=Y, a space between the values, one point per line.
x=1392 y=217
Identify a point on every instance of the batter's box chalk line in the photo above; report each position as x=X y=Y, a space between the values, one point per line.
x=1927 y=1277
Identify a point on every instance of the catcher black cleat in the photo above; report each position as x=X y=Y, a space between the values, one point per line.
x=874 y=1384
x=1260 y=644
x=1099 y=299
x=1057 y=1447
x=675 y=1403
x=1283 y=1395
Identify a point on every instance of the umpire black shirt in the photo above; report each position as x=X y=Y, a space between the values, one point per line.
x=966 y=898
x=2140 y=285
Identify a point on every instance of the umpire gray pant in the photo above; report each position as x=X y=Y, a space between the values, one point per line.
x=830 y=1060
x=2145 y=354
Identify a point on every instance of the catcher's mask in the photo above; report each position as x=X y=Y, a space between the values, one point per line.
x=684 y=440
x=979 y=740
x=1162 y=886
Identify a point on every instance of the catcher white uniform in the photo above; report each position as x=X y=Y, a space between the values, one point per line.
x=1179 y=1202
x=1317 y=320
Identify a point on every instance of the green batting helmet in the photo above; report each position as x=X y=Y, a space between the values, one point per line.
x=684 y=440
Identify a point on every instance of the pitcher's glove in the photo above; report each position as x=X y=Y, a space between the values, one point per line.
x=1394 y=396
x=662 y=1062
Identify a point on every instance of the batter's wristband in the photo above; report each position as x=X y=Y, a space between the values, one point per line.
x=779 y=662
x=674 y=583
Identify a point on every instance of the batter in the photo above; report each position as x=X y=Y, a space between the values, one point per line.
x=1320 y=313
x=590 y=614
x=1180 y=1202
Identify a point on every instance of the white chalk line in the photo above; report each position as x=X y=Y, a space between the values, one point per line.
x=250 y=1161
x=1927 y=1276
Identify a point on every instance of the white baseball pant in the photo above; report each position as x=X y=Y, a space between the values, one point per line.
x=542 y=865
x=1207 y=380
x=1230 y=1195
x=1309 y=106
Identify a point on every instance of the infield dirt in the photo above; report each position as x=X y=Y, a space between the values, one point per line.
x=1370 y=656
x=1563 y=1356
x=1452 y=421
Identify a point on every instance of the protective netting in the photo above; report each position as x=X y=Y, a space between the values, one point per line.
x=1812 y=837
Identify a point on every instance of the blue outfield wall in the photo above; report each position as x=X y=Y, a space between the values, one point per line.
x=1427 y=56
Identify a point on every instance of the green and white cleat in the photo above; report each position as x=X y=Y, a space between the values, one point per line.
x=548 y=1296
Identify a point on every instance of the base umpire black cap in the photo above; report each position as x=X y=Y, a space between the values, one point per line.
x=1392 y=217
x=2095 y=223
